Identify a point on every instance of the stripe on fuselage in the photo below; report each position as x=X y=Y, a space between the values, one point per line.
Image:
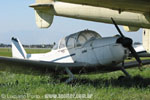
x=63 y=57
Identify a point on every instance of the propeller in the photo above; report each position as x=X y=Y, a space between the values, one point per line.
x=127 y=42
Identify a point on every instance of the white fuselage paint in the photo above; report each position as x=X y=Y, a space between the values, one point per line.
x=103 y=51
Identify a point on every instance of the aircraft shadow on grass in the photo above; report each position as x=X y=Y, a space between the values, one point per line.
x=136 y=81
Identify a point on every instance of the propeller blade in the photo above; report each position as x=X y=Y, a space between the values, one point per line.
x=135 y=55
x=128 y=44
x=117 y=28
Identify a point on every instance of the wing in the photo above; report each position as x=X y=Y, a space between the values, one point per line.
x=35 y=67
x=141 y=54
x=132 y=64
x=124 y=5
x=20 y=66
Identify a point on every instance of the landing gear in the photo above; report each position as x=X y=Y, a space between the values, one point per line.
x=126 y=73
x=71 y=76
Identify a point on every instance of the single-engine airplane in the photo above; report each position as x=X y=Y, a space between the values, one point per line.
x=82 y=52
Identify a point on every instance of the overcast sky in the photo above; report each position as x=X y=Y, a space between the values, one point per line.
x=18 y=20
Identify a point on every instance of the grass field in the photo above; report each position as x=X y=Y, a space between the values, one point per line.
x=105 y=86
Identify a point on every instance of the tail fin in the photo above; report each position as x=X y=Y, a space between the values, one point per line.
x=17 y=49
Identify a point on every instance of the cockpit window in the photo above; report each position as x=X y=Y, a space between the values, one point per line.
x=62 y=43
x=55 y=47
x=82 y=39
x=71 y=42
x=77 y=39
x=90 y=35
x=84 y=36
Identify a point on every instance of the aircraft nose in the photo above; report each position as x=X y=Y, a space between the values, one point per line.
x=126 y=42
x=119 y=52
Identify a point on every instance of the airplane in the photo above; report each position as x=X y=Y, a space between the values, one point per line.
x=82 y=52
x=132 y=14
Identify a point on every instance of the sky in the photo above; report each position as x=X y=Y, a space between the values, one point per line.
x=17 y=19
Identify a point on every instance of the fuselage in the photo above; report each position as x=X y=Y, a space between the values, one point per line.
x=95 y=51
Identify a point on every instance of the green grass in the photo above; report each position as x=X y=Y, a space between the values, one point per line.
x=104 y=86
x=7 y=51
x=37 y=50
